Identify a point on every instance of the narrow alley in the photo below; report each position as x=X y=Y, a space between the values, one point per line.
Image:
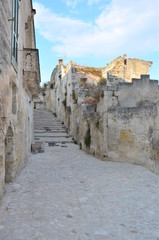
x=66 y=194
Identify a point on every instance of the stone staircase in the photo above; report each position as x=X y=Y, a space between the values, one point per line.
x=49 y=130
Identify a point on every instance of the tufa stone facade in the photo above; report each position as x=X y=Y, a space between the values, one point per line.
x=127 y=68
x=112 y=119
x=19 y=84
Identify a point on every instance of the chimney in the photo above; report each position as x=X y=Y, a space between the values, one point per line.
x=60 y=62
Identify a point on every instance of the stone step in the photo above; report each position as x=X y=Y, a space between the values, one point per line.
x=50 y=139
x=52 y=131
x=59 y=142
x=48 y=129
x=51 y=136
x=49 y=126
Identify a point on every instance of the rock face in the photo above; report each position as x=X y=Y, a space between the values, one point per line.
x=19 y=84
x=117 y=120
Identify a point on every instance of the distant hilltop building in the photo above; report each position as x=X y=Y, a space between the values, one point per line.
x=127 y=68
x=123 y=68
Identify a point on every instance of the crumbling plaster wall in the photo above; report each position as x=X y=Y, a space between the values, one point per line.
x=20 y=120
x=130 y=133
x=132 y=113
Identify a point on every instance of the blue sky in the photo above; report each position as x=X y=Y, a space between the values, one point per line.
x=94 y=32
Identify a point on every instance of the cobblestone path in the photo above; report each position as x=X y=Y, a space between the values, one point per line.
x=65 y=194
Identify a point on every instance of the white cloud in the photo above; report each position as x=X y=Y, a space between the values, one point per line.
x=123 y=27
x=72 y=3
x=56 y=28
x=91 y=2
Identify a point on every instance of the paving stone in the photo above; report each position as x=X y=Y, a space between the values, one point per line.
x=101 y=235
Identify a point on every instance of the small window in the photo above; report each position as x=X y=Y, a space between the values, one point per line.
x=15 y=17
x=14 y=98
x=125 y=61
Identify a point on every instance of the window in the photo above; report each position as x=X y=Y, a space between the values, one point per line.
x=125 y=61
x=15 y=10
x=14 y=99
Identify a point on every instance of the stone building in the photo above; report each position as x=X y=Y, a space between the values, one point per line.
x=19 y=84
x=112 y=121
x=127 y=68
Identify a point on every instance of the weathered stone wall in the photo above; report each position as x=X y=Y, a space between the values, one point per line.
x=131 y=117
x=5 y=41
x=122 y=125
x=127 y=68
x=16 y=105
x=130 y=133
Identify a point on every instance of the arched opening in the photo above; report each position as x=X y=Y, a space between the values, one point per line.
x=9 y=156
x=125 y=61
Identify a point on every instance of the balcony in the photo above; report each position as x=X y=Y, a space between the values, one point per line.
x=31 y=71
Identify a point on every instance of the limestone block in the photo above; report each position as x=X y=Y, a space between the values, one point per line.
x=37 y=147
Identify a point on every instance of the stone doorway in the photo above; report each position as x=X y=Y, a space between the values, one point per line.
x=9 y=156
